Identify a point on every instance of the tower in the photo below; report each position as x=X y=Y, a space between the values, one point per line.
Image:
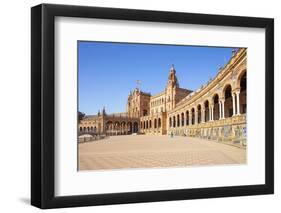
x=172 y=79
x=171 y=89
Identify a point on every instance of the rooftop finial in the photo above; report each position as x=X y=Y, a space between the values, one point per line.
x=172 y=69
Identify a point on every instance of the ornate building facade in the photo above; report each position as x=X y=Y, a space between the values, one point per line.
x=215 y=111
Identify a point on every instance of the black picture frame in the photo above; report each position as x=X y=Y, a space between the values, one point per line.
x=43 y=110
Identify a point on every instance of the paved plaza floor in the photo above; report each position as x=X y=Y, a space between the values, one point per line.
x=143 y=151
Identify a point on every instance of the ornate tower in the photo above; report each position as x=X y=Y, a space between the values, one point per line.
x=171 y=88
x=172 y=80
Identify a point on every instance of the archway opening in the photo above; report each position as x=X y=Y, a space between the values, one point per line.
x=170 y=122
x=228 y=104
x=192 y=116
x=207 y=111
x=135 y=127
x=129 y=128
x=216 y=107
x=187 y=118
x=243 y=94
x=199 y=114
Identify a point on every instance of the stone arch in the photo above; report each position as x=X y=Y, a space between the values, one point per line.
x=240 y=75
x=178 y=120
x=129 y=127
x=159 y=122
x=187 y=117
x=199 y=113
x=174 y=121
x=216 y=109
x=80 y=129
x=170 y=122
x=207 y=111
x=228 y=103
x=123 y=127
x=135 y=127
x=192 y=116
x=155 y=123
x=182 y=119
x=243 y=93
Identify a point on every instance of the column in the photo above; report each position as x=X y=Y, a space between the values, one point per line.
x=220 y=110
x=238 y=102
x=210 y=113
x=222 y=103
x=203 y=115
x=233 y=102
x=196 y=116
x=190 y=117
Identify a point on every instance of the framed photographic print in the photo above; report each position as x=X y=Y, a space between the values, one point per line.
x=139 y=106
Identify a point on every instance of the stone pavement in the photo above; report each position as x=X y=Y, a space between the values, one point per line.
x=143 y=151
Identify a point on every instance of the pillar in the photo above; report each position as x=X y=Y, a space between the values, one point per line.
x=196 y=116
x=238 y=102
x=222 y=103
x=220 y=110
x=203 y=115
x=233 y=103
x=212 y=113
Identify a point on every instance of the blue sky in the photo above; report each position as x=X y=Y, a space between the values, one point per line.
x=108 y=71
